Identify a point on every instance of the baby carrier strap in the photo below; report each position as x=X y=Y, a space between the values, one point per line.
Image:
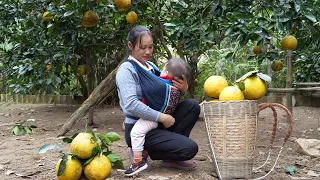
x=154 y=89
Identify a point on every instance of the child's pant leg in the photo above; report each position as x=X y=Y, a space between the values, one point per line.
x=139 y=131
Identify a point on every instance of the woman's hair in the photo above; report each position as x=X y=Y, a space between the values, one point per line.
x=177 y=66
x=135 y=35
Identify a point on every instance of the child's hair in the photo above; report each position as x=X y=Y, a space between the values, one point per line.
x=135 y=35
x=177 y=66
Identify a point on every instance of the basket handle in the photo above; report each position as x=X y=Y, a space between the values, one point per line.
x=272 y=106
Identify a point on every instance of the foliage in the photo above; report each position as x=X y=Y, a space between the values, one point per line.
x=191 y=29
x=59 y=42
x=307 y=67
x=21 y=128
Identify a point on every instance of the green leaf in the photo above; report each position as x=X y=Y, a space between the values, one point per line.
x=248 y=74
x=66 y=14
x=311 y=17
x=264 y=77
x=96 y=150
x=241 y=85
x=104 y=138
x=28 y=130
x=47 y=147
x=297 y=7
x=250 y=58
x=63 y=165
x=113 y=157
x=16 y=130
x=67 y=140
x=118 y=165
x=229 y=55
x=272 y=55
x=169 y=24
x=113 y=136
x=244 y=40
x=88 y=161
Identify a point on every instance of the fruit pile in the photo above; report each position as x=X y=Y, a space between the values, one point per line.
x=251 y=86
x=90 y=156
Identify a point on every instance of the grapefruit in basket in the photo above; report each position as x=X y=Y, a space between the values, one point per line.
x=214 y=85
x=255 y=88
x=231 y=93
x=254 y=84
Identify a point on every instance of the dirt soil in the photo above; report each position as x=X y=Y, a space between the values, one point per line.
x=20 y=158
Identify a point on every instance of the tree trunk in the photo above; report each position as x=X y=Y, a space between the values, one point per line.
x=289 y=81
x=90 y=77
x=269 y=63
x=104 y=89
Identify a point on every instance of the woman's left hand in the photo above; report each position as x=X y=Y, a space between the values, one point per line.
x=181 y=84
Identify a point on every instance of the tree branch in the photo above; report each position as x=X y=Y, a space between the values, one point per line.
x=161 y=29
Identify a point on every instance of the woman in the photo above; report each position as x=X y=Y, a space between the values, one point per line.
x=170 y=141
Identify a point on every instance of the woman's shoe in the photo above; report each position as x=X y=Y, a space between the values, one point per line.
x=185 y=165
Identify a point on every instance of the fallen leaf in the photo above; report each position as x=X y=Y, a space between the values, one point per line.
x=299 y=178
x=158 y=178
x=8 y=172
x=312 y=173
x=42 y=164
x=290 y=169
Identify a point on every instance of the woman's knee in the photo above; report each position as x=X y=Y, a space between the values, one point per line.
x=192 y=149
x=194 y=105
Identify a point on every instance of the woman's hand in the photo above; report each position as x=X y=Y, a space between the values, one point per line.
x=167 y=120
x=181 y=84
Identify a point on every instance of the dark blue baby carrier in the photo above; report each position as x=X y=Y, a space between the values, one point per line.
x=160 y=94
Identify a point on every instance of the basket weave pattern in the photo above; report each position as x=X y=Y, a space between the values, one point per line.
x=231 y=127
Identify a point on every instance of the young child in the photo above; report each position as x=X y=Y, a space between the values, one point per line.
x=175 y=67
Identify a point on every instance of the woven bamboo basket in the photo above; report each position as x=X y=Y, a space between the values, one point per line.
x=231 y=127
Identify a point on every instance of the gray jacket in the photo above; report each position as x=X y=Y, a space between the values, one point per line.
x=130 y=94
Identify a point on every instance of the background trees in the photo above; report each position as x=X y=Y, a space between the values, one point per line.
x=215 y=37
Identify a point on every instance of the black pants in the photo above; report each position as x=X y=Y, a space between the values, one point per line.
x=172 y=143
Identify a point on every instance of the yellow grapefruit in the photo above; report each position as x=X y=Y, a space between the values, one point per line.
x=132 y=17
x=214 y=85
x=122 y=5
x=48 y=67
x=98 y=169
x=46 y=16
x=231 y=93
x=255 y=88
x=257 y=49
x=277 y=65
x=82 y=69
x=289 y=42
x=82 y=145
x=90 y=19
x=73 y=169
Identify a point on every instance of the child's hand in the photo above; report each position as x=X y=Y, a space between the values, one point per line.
x=167 y=120
x=181 y=84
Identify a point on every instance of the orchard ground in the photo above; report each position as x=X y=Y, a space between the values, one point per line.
x=20 y=158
